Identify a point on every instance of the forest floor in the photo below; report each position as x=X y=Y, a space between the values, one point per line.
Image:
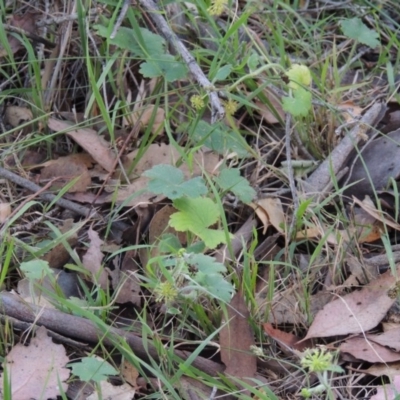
x=199 y=200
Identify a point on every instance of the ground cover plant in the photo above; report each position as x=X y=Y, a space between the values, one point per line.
x=199 y=199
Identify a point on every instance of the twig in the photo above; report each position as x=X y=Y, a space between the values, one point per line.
x=79 y=328
x=321 y=177
x=217 y=110
x=67 y=204
x=121 y=16
x=292 y=184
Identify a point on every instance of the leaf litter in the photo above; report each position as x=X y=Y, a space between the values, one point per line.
x=182 y=188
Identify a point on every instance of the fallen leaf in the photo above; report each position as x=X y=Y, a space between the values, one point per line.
x=36 y=371
x=270 y=212
x=388 y=392
x=5 y=212
x=356 y=312
x=25 y=22
x=125 y=281
x=390 y=370
x=144 y=116
x=285 y=338
x=390 y=339
x=367 y=350
x=16 y=116
x=89 y=140
x=64 y=170
x=368 y=206
x=350 y=111
x=111 y=392
x=129 y=373
x=236 y=339
x=93 y=258
x=265 y=111
x=378 y=162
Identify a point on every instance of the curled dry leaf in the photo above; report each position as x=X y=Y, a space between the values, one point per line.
x=356 y=312
x=350 y=111
x=270 y=212
x=388 y=392
x=109 y=391
x=93 y=258
x=16 y=116
x=5 y=212
x=37 y=370
x=89 y=140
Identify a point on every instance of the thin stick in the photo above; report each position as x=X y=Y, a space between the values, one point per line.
x=217 y=110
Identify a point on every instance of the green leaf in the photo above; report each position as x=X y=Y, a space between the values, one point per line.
x=127 y=40
x=163 y=65
x=219 y=139
x=223 y=73
x=216 y=285
x=299 y=104
x=355 y=29
x=196 y=215
x=36 y=269
x=205 y=264
x=90 y=368
x=230 y=179
x=170 y=181
x=299 y=76
x=209 y=276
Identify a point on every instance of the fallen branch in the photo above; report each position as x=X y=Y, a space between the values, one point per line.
x=82 y=329
x=67 y=204
x=319 y=180
x=217 y=110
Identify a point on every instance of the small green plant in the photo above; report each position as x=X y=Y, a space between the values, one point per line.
x=355 y=29
x=92 y=369
x=321 y=362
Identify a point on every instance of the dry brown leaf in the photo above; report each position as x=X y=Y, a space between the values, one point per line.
x=368 y=205
x=64 y=170
x=109 y=391
x=367 y=350
x=391 y=369
x=270 y=211
x=93 y=258
x=350 y=111
x=285 y=338
x=37 y=370
x=16 y=116
x=265 y=111
x=390 y=339
x=388 y=392
x=25 y=22
x=129 y=373
x=145 y=116
x=125 y=281
x=236 y=338
x=5 y=212
x=89 y=140
x=356 y=312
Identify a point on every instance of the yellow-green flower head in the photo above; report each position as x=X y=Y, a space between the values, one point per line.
x=197 y=102
x=217 y=7
x=231 y=107
x=299 y=75
x=317 y=360
x=165 y=291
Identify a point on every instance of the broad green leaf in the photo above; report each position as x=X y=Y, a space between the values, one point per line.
x=299 y=76
x=216 y=285
x=126 y=40
x=36 y=269
x=196 y=215
x=170 y=181
x=230 y=179
x=223 y=73
x=205 y=264
x=90 y=368
x=219 y=139
x=163 y=65
x=299 y=104
x=355 y=29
